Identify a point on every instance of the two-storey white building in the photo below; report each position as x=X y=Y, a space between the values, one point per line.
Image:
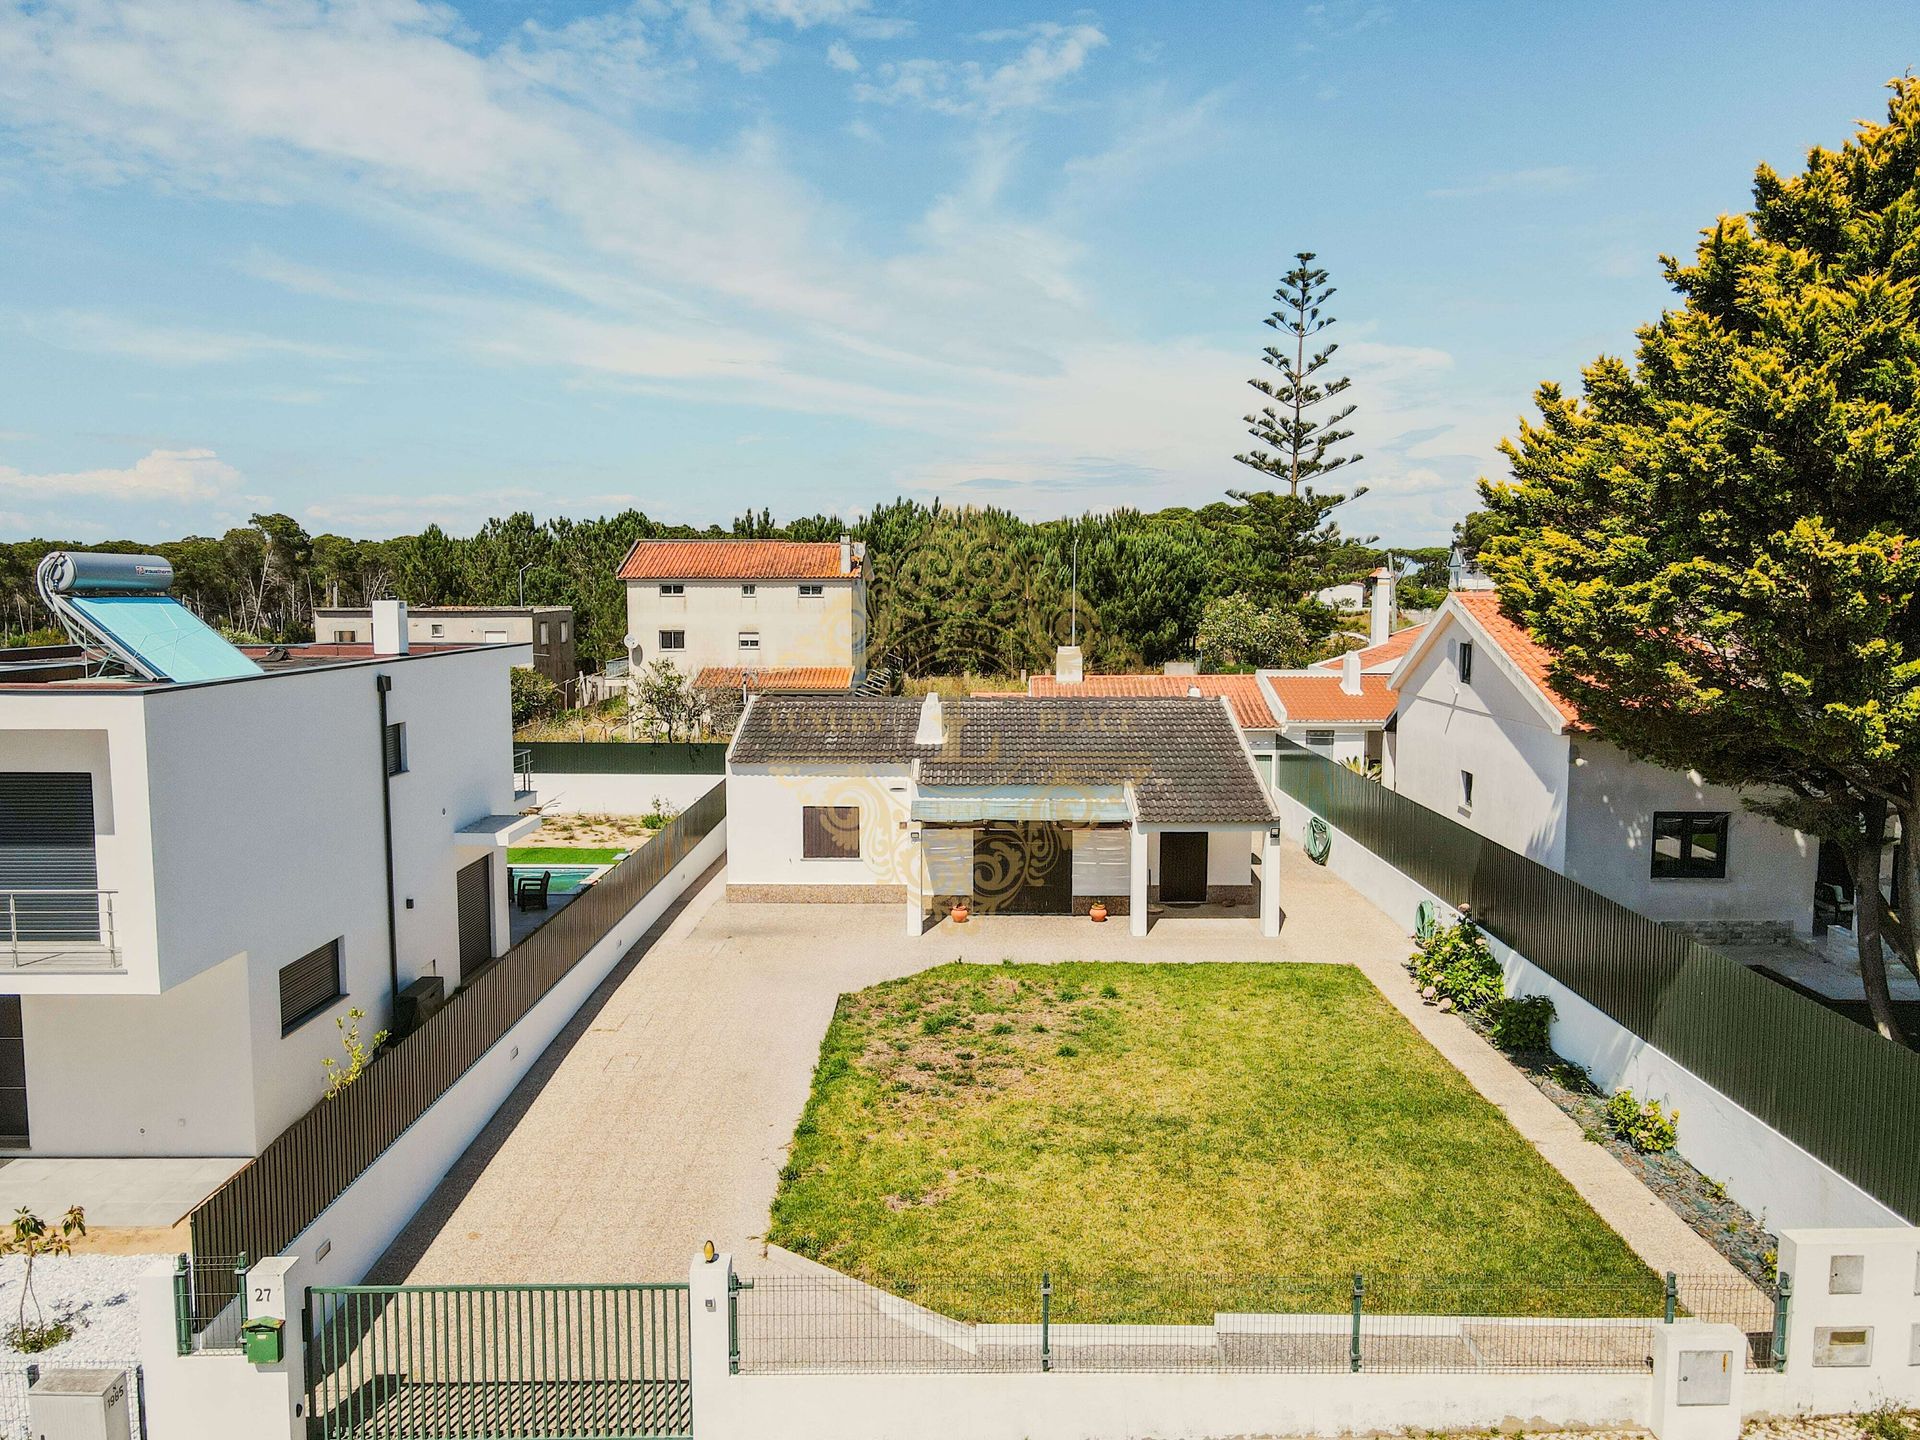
x=198 y=877
x=766 y=614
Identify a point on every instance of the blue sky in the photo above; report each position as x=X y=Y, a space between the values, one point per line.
x=383 y=263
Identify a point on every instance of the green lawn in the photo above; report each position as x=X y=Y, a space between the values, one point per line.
x=1173 y=1139
x=561 y=855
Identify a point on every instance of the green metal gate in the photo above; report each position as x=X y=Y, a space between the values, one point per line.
x=488 y=1362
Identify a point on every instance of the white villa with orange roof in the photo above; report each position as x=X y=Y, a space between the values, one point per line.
x=758 y=614
x=1483 y=737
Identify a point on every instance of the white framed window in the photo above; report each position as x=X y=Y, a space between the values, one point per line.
x=543 y=632
x=1320 y=739
x=812 y=592
x=436 y=630
x=1466 y=662
x=676 y=588
x=749 y=639
x=1466 y=789
x=747 y=592
x=345 y=637
x=673 y=639
x=565 y=630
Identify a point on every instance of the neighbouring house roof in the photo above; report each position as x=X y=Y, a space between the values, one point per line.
x=1308 y=697
x=776 y=677
x=1385 y=655
x=1185 y=759
x=366 y=611
x=1242 y=691
x=734 y=560
x=1530 y=657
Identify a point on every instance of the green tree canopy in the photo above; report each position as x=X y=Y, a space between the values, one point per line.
x=1718 y=537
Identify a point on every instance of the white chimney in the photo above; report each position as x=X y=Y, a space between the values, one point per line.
x=1350 y=672
x=933 y=724
x=389 y=627
x=1385 y=582
x=846 y=554
x=1066 y=665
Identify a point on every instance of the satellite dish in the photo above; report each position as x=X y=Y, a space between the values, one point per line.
x=630 y=641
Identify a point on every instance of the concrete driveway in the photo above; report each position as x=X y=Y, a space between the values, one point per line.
x=661 y=1116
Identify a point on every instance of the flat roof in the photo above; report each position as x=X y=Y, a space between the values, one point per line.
x=272 y=660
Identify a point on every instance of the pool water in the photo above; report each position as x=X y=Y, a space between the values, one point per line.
x=566 y=878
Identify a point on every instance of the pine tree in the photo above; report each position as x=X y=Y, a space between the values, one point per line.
x=1299 y=441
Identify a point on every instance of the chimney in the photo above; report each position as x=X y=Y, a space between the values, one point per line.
x=1066 y=665
x=933 y=723
x=846 y=554
x=1385 y=582
x=1350 y=672
x=389 y=627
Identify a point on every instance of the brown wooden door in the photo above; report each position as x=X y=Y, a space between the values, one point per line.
x=1183 y=867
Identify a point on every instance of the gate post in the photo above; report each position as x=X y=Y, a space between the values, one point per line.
x=710 y=1341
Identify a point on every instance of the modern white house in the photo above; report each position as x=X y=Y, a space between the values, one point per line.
x=764 y=615
x=198 y=876
x=547 y=629
x=1482 y=736
x=1013 y=805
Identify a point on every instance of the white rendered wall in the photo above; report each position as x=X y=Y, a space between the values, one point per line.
x=1349 y=743
x=1611 y=802
x=572 y=794
x=1491 y=728
x=763 y=817
x=357 y=1228
x=827 y=630
x=1765 y=1171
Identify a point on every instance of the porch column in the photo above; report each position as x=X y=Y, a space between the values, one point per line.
x=1270 y=883
x=1137 y=890
x=916 y=891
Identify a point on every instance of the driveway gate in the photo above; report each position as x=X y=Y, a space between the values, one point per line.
x=476 y=1362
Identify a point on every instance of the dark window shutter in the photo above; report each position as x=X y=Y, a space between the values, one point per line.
x=309 y=983
x=46 y=843
x=830 y=832
x=396 y=744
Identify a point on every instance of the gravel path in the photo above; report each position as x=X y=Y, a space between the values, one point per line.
x=95 y=1294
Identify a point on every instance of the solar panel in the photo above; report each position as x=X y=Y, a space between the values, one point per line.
x=167 y=637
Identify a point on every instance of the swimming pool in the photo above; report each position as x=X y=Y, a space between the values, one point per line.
x=566 y=878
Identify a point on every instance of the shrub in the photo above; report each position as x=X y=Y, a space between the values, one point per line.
x=1457 y=962
x=534 y=696
x=1523 y=1022
x=1646 y=1127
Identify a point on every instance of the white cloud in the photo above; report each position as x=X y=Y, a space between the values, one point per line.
x=178 y=476
x=102 y=334
x=1052 y=53
x=841 y=57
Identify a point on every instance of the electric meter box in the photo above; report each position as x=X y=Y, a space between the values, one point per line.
x=80 y=1405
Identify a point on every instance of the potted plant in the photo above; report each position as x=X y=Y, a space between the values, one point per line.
x=959 y=912
x=1097 y=912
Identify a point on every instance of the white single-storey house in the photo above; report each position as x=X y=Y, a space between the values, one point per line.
x=1483 y=737
x=1012 y=804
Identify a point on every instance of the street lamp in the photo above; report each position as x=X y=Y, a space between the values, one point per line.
x=520 y=579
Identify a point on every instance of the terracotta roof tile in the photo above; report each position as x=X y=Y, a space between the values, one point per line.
x=733 y=560
x=1532 y=658
x=1310 y=698
x=1242 y=691
x=1384 y=655
x=777 y=677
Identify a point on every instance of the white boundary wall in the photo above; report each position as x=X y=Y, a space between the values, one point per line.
x=567 y=793
x=1782 y=1184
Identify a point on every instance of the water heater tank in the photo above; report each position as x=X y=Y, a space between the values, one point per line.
x=79 y=572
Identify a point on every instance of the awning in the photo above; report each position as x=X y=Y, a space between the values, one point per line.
x=1080 y=805
x=491 y=830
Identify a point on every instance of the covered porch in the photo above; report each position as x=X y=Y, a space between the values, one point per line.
x=1037 y=851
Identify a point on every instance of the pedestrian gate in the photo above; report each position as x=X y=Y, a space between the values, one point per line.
x=493 y=1362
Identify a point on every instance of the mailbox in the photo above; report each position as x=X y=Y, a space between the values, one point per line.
x=262 y=1341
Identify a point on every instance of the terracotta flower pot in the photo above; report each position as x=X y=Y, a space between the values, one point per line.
x=1097 y=913
x=959 y=914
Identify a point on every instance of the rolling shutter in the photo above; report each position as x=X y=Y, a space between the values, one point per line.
x=46 y=843
x=308 y=984
x=473 y=888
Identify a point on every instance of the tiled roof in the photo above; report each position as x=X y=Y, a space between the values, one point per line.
x=1184 y=758
x=1532 y=658
x=1307 y=698
x=733 y=560
x=1242 y=691
x=777 y=677
x=1385 y=655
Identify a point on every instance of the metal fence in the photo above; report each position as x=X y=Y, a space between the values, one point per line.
x=473 y=1362
x=263 y=1207
x=622 y=757
x=209 y=1301
x=1843 y=1093
x=787 y=1324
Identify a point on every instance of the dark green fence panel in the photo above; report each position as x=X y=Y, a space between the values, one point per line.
x=263 y=1207
x=475 y=1362
x=1838 y=1090
x=617 y=757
